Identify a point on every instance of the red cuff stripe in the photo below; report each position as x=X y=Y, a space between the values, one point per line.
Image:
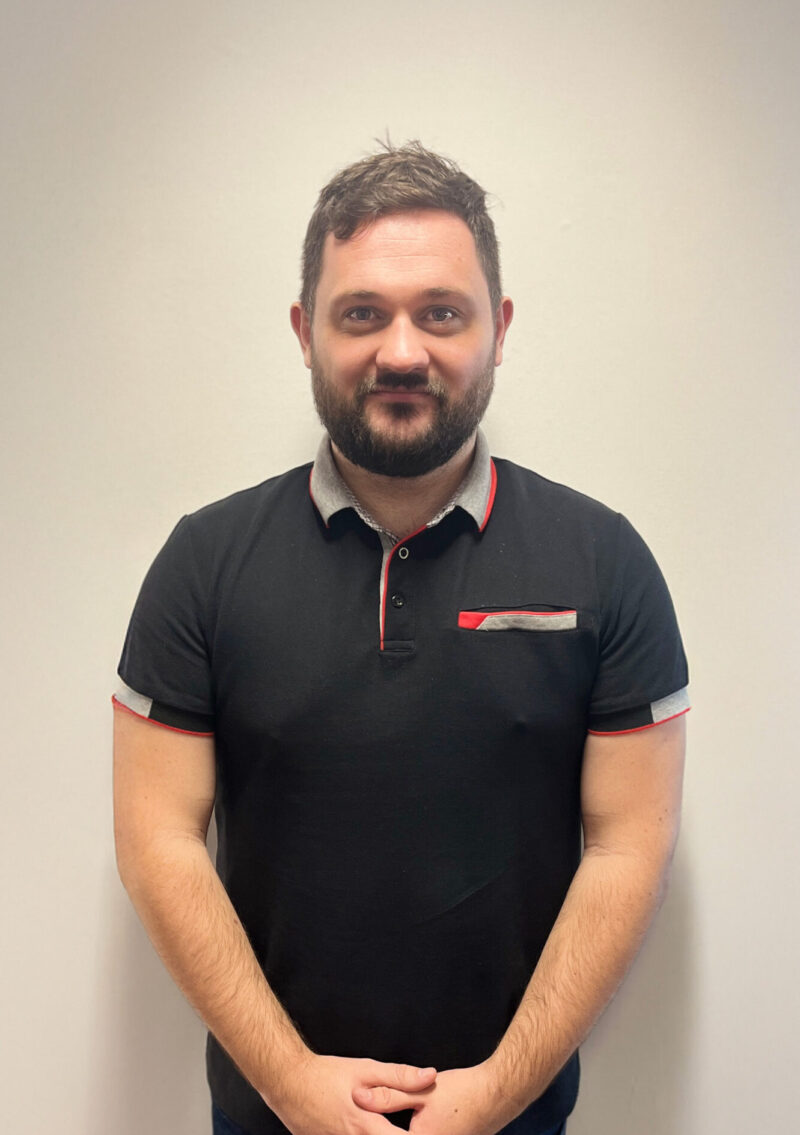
x=638 y=728
x=173 y=728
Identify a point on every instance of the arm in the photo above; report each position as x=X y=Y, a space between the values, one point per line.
x=630 y=803
x=164 y=786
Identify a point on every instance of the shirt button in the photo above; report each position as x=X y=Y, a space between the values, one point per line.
x=403 y=553
x=398 y=600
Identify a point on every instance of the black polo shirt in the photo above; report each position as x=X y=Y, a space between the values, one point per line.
x=399 y=728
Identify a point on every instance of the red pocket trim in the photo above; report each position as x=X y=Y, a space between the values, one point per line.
x=471 y=620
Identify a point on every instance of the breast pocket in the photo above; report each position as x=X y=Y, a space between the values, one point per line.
x=525 y=672
x=537 y=618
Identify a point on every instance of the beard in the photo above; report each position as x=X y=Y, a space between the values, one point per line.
x=454 y=422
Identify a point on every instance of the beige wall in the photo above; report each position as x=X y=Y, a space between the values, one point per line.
x=160 y=161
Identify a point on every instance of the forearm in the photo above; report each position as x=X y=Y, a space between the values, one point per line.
x=194 y=927
x=600 y=928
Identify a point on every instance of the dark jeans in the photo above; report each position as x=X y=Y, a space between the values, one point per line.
x=225 y=1126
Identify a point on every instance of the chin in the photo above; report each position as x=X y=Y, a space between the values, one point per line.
x=402 y=421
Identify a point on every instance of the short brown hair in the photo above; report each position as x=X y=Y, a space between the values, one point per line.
x=397 y=180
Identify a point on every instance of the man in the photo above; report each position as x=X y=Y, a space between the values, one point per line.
x=408 y=677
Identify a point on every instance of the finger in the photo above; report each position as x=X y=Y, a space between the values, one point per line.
x=404 y=1077
x=386 y=1100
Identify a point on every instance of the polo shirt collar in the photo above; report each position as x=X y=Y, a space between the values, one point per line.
x=475 y=494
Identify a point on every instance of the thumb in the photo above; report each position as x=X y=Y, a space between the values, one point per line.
x=405 y=1077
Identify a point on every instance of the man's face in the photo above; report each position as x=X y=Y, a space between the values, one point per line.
x=404 y=343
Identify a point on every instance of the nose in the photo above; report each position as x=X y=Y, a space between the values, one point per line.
x=402 y=348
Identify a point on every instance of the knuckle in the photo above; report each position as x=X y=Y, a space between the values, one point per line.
x=404 y=1073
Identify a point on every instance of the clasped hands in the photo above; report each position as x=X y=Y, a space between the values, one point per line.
x=333 y=1095
x=458 y=1101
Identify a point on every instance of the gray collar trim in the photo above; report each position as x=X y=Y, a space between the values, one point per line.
x=474 y=495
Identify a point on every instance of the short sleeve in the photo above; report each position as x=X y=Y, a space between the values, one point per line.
x=642 y=674
x=165 y=665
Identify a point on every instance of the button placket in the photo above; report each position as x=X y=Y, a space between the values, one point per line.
x=398 y=615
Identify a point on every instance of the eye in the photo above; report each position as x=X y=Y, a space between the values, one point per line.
x=442 y=314
x=359 y=314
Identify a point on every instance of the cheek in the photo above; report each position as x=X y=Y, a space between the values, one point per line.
x=465 y=360
x=348 y=360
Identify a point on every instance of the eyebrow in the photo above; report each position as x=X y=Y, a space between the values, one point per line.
x=428 y=293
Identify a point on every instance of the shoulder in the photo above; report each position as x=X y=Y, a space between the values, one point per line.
x=234 y=515
x=240 y=507
x=549 y=500
x=211 y=536
x=576 y=531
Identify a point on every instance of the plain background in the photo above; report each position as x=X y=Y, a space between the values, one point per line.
x=160 y=161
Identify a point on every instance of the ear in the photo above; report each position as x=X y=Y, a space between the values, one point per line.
x=301 y=325
x=505 y=313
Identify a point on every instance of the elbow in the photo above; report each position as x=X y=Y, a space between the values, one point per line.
x=153 y=866
x=656 y=872
x=129 y=857
x=137 y=854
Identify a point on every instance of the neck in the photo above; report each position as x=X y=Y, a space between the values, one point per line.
x=402 y=505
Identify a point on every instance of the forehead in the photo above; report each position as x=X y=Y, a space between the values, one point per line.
x=409 y=251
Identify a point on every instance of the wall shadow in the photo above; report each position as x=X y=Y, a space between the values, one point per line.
x=638 y=1061
x=148 y=1069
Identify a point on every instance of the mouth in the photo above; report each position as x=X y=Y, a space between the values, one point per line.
x=396 y=388
x=402 y=392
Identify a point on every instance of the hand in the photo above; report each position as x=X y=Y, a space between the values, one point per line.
x=320 y=1095
x=463 y=1101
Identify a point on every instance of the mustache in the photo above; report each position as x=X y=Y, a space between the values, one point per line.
x=392 y=380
